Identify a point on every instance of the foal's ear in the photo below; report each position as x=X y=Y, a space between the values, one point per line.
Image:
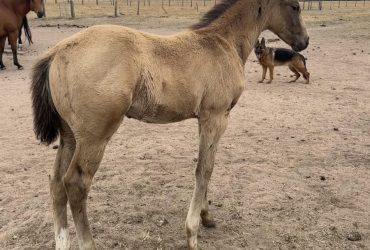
x=257 y=43
x=263 y=41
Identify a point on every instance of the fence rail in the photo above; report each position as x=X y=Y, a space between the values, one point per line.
x=86 y=8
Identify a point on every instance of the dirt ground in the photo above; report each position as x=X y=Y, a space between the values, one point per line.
x=292 y=170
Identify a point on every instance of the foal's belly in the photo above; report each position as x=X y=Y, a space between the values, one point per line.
x=160 y=113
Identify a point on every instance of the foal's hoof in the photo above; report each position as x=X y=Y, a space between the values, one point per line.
x=2 y=67
x=20 y=67
x=208 y=220
x=260 y=81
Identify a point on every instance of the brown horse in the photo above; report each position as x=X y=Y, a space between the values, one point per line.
x=84 y=87
x=11 y=16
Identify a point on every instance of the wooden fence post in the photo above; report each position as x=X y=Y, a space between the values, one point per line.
x=115 y=8
x=72 y=9
x=43 y=6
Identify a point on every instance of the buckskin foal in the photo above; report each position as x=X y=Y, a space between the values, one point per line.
x=84 y=87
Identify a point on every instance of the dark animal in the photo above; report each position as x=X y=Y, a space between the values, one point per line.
x=12 y=12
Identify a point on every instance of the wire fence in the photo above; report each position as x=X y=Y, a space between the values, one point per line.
x=91 y=8
x=309 y=5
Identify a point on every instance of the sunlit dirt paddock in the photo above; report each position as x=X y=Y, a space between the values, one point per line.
x=292 y=170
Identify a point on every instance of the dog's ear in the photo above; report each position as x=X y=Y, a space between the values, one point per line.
x=263 y=41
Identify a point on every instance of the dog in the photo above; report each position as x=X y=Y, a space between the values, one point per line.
x=271 y=57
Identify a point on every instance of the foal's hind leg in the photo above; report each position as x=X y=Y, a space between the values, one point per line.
x=59 y=197
x=211 y=129
x=2 y=46
x=77 y=181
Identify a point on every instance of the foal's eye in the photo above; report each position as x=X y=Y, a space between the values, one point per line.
x=296 y=8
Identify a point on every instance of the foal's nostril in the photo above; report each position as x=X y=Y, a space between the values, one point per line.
x=307 y=40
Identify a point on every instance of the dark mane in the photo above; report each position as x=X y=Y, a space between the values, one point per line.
x=213 y=14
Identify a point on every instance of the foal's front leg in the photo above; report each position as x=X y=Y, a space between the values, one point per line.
x=211 y=128
x=205 y=215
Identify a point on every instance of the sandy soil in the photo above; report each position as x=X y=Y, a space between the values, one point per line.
x=292 y=170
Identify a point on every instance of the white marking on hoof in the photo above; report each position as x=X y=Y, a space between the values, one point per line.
x=62 y=240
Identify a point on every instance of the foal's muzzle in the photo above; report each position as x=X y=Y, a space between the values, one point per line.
x=301 y=45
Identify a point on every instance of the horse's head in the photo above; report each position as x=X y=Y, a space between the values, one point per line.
x=286 y=22
x=38 y=7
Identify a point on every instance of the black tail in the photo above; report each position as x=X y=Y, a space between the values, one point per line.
x=27 y=30
x=46 y=120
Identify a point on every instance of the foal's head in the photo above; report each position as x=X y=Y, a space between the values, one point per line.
x=286 y=22
x=38 y=7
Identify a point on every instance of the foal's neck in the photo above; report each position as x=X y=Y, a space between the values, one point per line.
x=240 y=25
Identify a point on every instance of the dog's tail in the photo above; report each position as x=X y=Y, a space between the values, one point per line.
x=46 y=120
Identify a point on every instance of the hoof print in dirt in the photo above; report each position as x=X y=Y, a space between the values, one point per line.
x=354 y=236
x=162 y=222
